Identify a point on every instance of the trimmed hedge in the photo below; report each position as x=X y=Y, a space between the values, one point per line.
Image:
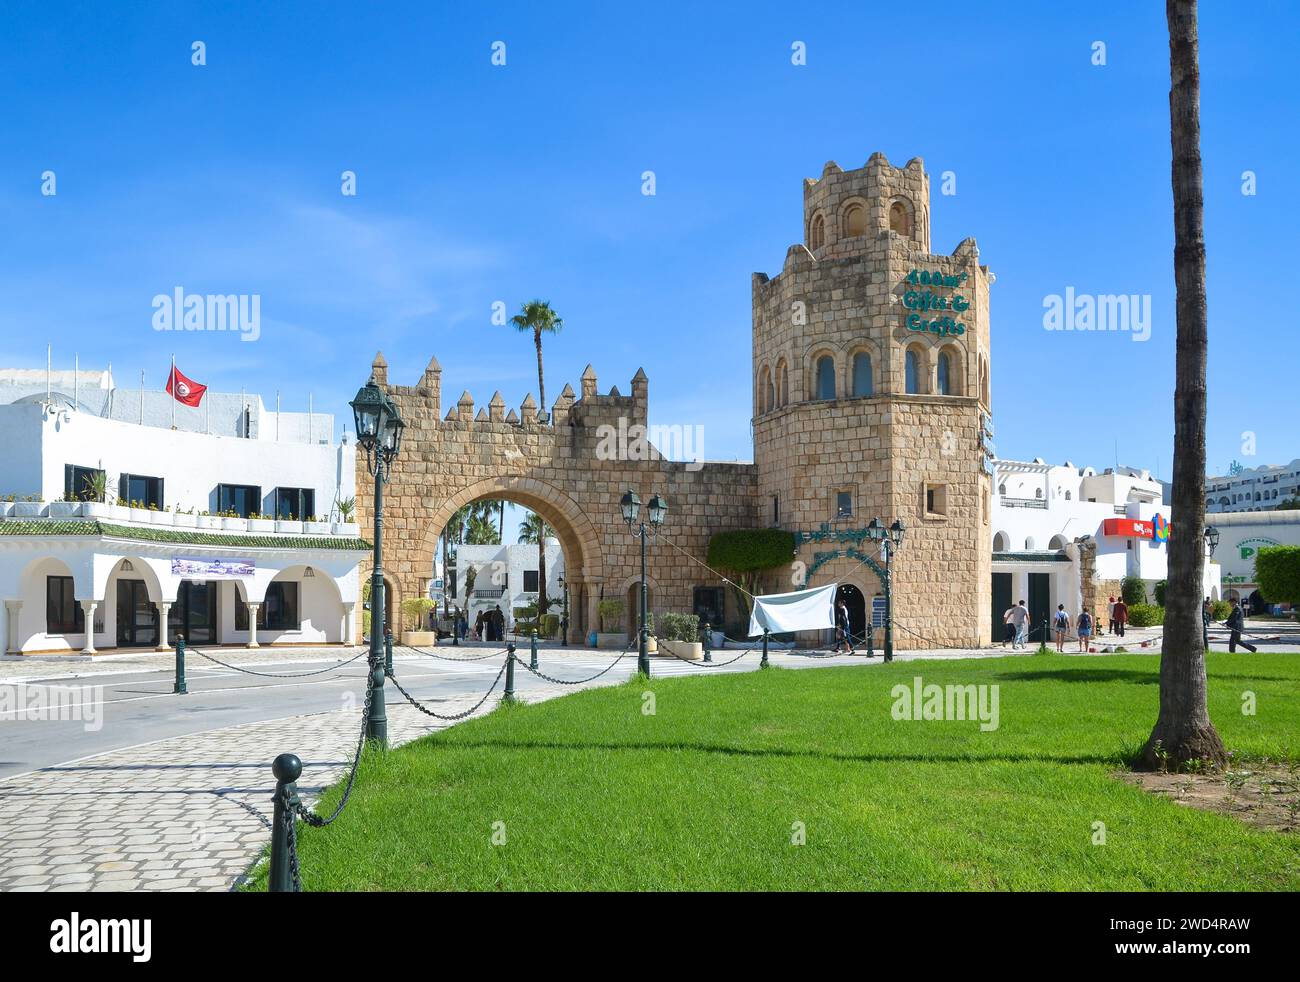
x=747 y=550
x=1145 y=615
x=679 y=627
x=1133 y=590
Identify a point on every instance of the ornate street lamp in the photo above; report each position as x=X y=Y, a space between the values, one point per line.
x=379 y=432
x=890 y=539
x=1211 y=538
x=657 y=509
x=564 y=616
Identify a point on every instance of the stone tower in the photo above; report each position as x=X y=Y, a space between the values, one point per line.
x=871 y=395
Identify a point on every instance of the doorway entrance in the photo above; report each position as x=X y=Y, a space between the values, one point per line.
x=857 y=605
x=1040 y=603
x=194 y=614
x=1001 y=602
x=137 y=617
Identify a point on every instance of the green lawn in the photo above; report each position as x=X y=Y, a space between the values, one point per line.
x=704 y=794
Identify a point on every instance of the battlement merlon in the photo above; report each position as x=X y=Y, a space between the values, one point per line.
x=425 y=401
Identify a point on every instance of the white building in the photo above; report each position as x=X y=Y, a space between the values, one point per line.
x=216 y=528
x=1068 y=535
x=1241 y=536
x=506 y=576
x=1254 y=489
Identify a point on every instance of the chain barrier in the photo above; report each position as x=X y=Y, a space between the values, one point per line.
x=706 y=664
x=541 y=675
x=275 y=675
x=291 y=835
x=456 y=716
x=434 y=654
x=310 y=817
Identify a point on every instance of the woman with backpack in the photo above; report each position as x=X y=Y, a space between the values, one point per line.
x=1062 y=625
x=1084 y=629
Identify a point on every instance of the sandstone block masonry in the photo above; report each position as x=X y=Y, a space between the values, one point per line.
x=871 y=373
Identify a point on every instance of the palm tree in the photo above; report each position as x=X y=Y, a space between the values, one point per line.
x=1183 y=730
x=538 y=317
x=533 y=530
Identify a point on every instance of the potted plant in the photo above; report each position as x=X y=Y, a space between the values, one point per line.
x=97 y=496
x=231 y=521
x=138 y=513
x=206 y=520
x=29 y=507
x=288 y=526
x=257 y=522
x=158 y=516
x=69 y=506
x=185 y=518
x=347 y=512
x=316 y=526
x=415 y=620
x=679 y=634
x=611 y=634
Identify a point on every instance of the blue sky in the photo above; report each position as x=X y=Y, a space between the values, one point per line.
x=479 y=183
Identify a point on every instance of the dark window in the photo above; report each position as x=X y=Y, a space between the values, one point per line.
x=295 y=503
x=242 y=499
x=825 y=377
x=843 y=504
x=278 y=612
x=133 y=488
x=862 y=374
x=530 y=581
x=708 y=606
x=79 y=482
x=63 y=615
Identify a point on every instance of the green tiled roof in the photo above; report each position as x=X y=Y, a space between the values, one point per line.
x=12 y=526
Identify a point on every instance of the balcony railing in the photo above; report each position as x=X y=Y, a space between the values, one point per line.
x=62 y=511
x=1023 y=502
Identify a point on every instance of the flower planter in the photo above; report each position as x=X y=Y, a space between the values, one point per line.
x=65 y=509
x=208 y=522
x=689 y=650
x=261 y=526
x=160 y=517
x=611 y=642
x=119 y=513
x=289 y=527
x=346 y=528
x=183 y=520
x=234 y=525
x=419 y=639
x=317 y=528
x=29 y=509
x=140 y=516
x=6 y=509
x=96 y=509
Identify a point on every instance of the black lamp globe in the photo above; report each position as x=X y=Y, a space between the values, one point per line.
x=896 y=532
x=630 y=503
x=658 y=508
x=1212 y=538
x=369 y=411
x=392 y=432
x=875 y=530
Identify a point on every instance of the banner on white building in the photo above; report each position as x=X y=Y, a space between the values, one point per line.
x=803 y=610
x=211 y=569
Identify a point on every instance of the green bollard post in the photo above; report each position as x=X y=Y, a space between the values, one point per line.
x=708 y=642
x=287 y=768
x=763 y=663
x=510 y=673
x=178 y=687
x=388 y=652
x=533 y=641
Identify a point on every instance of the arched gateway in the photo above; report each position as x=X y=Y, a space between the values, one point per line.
x=839 y=438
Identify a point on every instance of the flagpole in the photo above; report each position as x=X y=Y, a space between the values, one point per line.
x=76 y=379
x=243 y=412
x=171 y=384
x=142 y=397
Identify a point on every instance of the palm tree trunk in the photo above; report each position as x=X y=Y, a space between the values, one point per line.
x=541 y=380
x=541 y=578
x=1183 y=730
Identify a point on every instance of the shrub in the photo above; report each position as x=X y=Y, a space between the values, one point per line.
x=1277 y=571
x=1134 y=591
x=743 y=554
x=1219 y=610
x=679 y=627
x=1145 y=615
x=550 y=625
x=611 y=615
x=415 y=612
x=1160 y=593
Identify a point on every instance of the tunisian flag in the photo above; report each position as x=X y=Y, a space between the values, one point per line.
x=185 y=390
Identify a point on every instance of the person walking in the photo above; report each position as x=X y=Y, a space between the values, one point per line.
x=1061 y=624
x=1110 y=615
x=1084 y=629
x=1120 y=616
x=1008 y=628
x=1020 y=617
x=478 y=627
x=1237 y=623
x=843 y=632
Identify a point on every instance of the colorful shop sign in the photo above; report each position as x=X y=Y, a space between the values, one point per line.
x=1249 y=547
x=1138 y=528
x=928 y=309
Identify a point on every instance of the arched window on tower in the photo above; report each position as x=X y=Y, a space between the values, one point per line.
x=899 y=219
x=817 y=232
x=855 y=221
x=944 y=373
x=912 y=373
x=862 y=374
x=783 y=390
x=770 y=395
x=825 y=377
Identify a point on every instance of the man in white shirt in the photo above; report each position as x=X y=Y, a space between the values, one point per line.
x=1019 y=616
